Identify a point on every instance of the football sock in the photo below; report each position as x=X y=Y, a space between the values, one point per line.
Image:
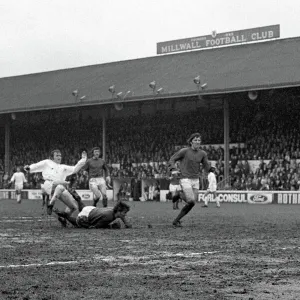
x=95 y=201
x=104 y=201
x=206 y=201
x=185 y=210
x=175 y=198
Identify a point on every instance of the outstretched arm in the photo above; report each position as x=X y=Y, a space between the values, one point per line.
x=36 y=168
x=69 y=170
x=12 y=179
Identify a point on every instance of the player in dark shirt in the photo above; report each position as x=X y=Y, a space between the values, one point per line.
x=97 y=170
x=94 y=217
x=189 y=159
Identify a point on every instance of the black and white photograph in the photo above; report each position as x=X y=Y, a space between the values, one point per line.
x=149 y=150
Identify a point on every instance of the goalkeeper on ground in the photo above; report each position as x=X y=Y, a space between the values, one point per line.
x=94 y=217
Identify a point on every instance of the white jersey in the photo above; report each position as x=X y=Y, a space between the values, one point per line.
x=52 y=171
x=212 y=182
x=86 y=211
x=18 y=178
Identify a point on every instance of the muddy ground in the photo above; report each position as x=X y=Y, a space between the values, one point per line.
x=239 y=251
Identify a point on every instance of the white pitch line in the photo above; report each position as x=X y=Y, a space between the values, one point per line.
x=54 y=263
x=128 y=258
x=26 y=220
x=16 y=218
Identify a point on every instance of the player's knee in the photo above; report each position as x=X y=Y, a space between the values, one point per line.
x=191 y=203
x=189 y=197
x=70 y=209
x=92 y=185
x=59 y=190
x=94 y=188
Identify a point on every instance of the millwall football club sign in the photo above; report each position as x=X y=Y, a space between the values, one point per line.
x=220 y=39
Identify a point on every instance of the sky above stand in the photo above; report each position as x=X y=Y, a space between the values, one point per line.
x=45 y=35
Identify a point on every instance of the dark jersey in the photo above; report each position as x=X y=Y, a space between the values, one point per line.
x=96 y=167
x=190 y=161
x=101 y=217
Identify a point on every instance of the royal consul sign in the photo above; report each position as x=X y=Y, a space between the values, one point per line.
x=220 y=39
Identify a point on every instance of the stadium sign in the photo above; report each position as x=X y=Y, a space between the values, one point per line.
x=220 y=39
x=259 y=198
x=287 y=198
x=225 y=197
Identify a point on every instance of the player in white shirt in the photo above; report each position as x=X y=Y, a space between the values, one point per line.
x=19 y=179
x=212 y=187
x=54 y=174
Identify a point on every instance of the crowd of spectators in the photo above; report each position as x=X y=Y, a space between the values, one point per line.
x=140 y=146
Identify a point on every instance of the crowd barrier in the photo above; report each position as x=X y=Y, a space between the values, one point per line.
x=251 y=197
x=37 y=194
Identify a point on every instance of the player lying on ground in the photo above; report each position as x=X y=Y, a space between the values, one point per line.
x=54 y=174
x=94 y=217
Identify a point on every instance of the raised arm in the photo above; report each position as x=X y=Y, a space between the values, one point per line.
x=69 y=170
x=12 y=178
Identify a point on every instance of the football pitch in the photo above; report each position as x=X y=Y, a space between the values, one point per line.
x=239 y=251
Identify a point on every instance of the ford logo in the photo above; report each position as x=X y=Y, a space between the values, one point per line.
x=259 y=198
x=85 y=196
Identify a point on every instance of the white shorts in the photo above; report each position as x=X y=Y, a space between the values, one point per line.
x=47 y=186
x=212 y=188
x=97 y=182
x=175 y=188
x=19 y=186
x=188 y=183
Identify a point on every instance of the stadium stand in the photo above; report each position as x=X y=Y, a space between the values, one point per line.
x=138 y=147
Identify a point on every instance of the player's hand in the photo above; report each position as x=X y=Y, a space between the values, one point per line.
x=27 y=168
x=84 y=154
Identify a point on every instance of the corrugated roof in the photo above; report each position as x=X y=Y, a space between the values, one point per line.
x=251 y=66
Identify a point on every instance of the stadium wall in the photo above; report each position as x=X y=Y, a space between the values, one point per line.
x=250 y=197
